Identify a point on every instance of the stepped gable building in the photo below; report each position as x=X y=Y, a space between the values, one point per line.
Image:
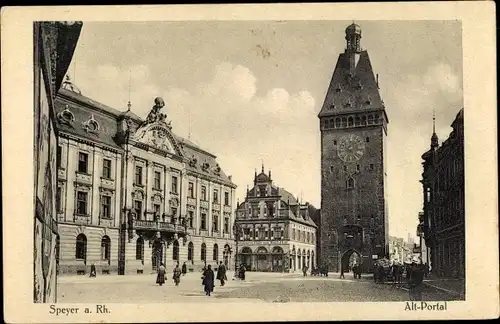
x=53 y=46
x=132 y=194
x=276 y=230
x=353 y=125
x=442 y=223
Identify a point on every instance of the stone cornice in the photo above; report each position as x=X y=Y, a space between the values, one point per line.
x=89 y=142
x=210 y=178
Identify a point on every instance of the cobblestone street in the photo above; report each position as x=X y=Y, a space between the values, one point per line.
x=259 y=287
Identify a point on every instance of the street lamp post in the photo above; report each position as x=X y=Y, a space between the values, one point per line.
x=236 y=231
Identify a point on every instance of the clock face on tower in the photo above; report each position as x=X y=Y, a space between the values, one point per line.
x=351 y=148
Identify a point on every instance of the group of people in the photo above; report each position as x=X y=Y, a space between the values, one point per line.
x=356 y=270
x=239 y=272
x=208 y=278
x=415 y=274
x=176 y=277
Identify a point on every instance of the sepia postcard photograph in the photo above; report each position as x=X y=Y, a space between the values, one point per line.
x=250 y=162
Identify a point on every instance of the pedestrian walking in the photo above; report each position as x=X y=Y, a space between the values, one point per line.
x=208 y=280
x=93 y=272
x=342 y=272
x=356 y=270
x=221 y=274
x=184 y=269
x=241 y=272
x=160 y=278
x=426 y=270
x=416 y=280
x=304 y=270
x=177 y=274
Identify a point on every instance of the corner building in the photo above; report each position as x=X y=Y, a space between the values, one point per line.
x=277 y=233
x=443 y=220
x=132 y=194
x=353 y=125
x=53 y=47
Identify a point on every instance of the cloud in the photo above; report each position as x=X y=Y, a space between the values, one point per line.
x=410 y=103
x=225 y=116
x=228 y=118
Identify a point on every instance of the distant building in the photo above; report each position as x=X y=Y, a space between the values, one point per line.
x=277 y=232
x=315 y=215
x=353 y=125
x=443 y=221
x=424 y=250
x=398 y=249
x=54 y=44
x=132 y=194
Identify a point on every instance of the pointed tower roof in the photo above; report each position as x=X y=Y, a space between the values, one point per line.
x=353 y=87
x=434 y=137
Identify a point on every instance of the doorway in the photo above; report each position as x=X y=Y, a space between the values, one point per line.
x=349 y=258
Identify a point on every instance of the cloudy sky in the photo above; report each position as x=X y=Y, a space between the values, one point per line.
x=251 y=91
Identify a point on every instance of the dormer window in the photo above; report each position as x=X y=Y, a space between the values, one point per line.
x=338 y=89
x=332 y=106
x=66 y=116
x=91 y=125
x=193 y=161
x=217 y=169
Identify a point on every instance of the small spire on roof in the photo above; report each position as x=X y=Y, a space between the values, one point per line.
x=129 y=105
x=262 y=165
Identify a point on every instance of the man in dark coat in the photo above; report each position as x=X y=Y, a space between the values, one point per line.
x=208 y=280
x=184 y=269
x=241 y=271
x=416 y=281
x=93 y=272
x=221 y=274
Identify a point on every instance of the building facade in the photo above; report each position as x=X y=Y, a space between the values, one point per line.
x=353 y=125
x=54 y=44
x=276 y=232
x=132 y=194
x=443 y=221
x=398 y=249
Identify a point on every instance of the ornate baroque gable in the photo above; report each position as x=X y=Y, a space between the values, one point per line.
x=156 y=132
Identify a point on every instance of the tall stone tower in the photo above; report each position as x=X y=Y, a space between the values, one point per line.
x=353 y=124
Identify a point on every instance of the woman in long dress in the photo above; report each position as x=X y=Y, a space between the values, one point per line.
x=160 y=278
x=208 y=280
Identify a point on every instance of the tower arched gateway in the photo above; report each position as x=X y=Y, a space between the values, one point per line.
x=353 y=125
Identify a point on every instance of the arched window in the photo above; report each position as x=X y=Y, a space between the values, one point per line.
x=139 y=249
x=350 y=183
x=344 y=122
x=81 y=247
x=216 y=253
x=337 y=122
x=203 y=252
x=175 y=251
x=190 y=251
x=105 y=248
